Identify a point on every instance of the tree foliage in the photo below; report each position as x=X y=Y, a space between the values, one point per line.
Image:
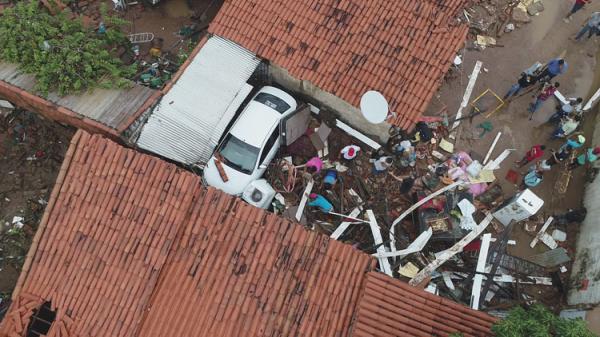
x=537 y=321
x=61 y=53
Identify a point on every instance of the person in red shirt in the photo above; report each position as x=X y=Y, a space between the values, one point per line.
x=579 y=4
x=536 y=152
x=547 y=91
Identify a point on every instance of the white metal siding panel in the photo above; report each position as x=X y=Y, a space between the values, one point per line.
x=188 y=122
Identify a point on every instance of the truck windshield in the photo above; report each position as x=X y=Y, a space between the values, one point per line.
x=239 y=155
x=272 y=102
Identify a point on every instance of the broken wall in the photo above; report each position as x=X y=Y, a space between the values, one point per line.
x=586 y=266
x=344 y=110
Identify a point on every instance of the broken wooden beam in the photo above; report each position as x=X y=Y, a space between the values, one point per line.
x=467 y=95
x=384 y=263
x=304 y=199
x=450 y=252
x=480 y=268
x=344 y=225
x=541 y=232
x=415 y=206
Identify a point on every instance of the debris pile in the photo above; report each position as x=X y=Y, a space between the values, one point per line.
x=31 y=151
x=490 y=19
x=431 y=214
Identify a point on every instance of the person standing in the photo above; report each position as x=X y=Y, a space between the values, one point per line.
x=579 y=4
x=330 y=179
x=547 y=91
x=554 y=67
x=591 y=27
x=524 y=81
x=536 y=151
x=590 y=156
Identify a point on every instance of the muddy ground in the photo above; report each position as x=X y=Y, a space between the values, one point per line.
x=545 y=37
x=31 y=152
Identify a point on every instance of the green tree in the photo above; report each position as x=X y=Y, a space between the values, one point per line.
x=62 y=54
x=537 y=321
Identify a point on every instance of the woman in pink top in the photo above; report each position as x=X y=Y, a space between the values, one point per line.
x=314 y=165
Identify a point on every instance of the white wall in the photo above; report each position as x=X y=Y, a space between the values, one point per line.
x=587 y=259
x=345 y=111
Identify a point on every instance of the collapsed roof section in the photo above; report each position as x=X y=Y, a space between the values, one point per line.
x=400 y=48
x=130 y=245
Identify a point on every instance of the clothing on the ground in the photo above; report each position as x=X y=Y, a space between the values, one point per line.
x=330 y=177
x=315 y=162
x=323 y=204
x=350 y=152
x=381 y=164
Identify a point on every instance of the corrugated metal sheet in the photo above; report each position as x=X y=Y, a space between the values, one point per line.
x=188 y=122
x=110 y=107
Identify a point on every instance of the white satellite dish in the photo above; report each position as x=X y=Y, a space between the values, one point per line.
x=374 y=106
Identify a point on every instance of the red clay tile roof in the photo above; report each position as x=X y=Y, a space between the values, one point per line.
x=401 y=48
x=130 y=245
x=392 y=308
x=238 y=268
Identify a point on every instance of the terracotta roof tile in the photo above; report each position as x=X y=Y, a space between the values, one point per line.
x=390 y=307
x=134 y=246
x=329 y=35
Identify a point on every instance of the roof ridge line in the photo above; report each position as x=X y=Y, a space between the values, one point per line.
x=64 y=168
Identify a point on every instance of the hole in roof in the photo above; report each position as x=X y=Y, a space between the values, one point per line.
x=41 y=321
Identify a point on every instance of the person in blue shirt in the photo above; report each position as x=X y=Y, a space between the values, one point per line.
x=330 y=179
x=575 y=143
x=553 y=68
x=319 y=201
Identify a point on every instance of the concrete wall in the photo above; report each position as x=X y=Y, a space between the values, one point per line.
x=345 y=111
x=587 y=259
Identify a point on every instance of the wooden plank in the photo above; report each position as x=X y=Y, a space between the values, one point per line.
x=541 y=232
x=384 y=263
x=592 y=101
x=480 y=268
x=344 y=225
x=450 y=252
x=415 y=246
x=547 y=281
x=489 y=153
x=495 y=164
x=467 y=95
x=304 y=199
